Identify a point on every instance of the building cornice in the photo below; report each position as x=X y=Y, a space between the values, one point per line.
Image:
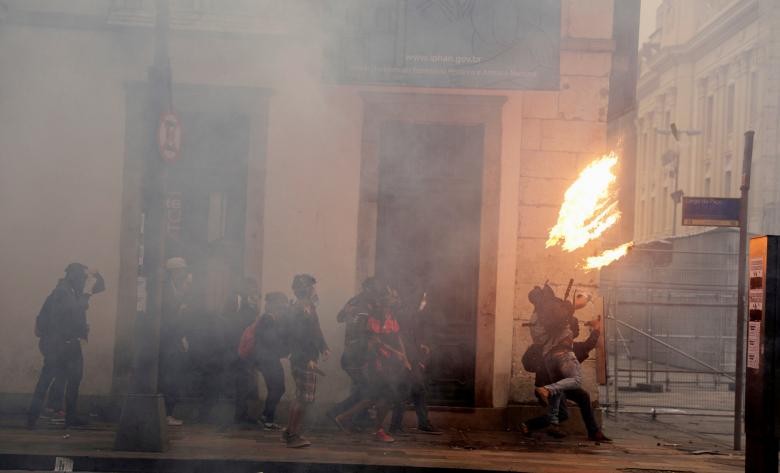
x=734 y=18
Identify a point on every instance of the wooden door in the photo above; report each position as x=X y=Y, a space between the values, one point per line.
x=208 y=184
x=428 y=228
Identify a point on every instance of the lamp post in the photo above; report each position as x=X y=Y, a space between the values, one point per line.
x=142 y=425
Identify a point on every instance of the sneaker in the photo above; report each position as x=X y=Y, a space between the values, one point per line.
x=543 y=395
x=429 y=429
x=555 y=432
x=381 y=436
x=599 y=436
x=524 y=429
x=172 y=421
x=57 y=417
x=296 y=441
x=271 y=426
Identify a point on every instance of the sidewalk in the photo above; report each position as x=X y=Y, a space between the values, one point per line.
x=206 y=449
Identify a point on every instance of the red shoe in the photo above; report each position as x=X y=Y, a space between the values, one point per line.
x=381 y=436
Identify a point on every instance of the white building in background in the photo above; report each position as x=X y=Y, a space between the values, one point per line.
x=712 y=67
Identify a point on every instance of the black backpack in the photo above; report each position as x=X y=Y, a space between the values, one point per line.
x=552 y=312
x=43 y=322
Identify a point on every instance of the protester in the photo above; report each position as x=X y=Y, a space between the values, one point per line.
x=173 y=341
x=61 y=325
x=271 y=344
x=414 y=386
x=306 y=346
x=354 y=316
x=386 y=364
x=242 y=311
x=558 y=374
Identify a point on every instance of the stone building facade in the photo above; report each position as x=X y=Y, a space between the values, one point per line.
x=304 y=161
x=711 y=67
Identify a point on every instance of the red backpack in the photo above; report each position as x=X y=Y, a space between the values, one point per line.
x=246 y=346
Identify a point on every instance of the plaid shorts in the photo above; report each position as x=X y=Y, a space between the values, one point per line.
x=305 y=384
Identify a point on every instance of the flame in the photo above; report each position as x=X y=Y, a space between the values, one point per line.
x=608 y=256
x=589 y=207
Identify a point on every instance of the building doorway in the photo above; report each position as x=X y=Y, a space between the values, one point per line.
x=428 y=240
x=206 y=201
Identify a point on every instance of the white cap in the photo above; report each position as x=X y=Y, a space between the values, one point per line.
x=176 y=262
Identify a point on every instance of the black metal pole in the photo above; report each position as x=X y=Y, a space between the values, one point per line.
x=675 y=196
x=142 y=425
x=741 y=285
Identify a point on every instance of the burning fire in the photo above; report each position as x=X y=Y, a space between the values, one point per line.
x=607 y=257
x=590 y=208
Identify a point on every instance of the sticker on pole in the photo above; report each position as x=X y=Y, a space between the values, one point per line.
x=169 y=136
x=754 y=345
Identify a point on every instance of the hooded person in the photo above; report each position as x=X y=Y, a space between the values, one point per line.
x=61 y=325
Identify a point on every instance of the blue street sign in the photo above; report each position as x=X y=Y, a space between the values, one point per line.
x=710 y=211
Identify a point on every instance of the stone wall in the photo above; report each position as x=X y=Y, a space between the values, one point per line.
x=562 y=132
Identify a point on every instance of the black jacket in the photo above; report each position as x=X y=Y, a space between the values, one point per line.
x=271 y=342
x=67 y=314
x=305 y=335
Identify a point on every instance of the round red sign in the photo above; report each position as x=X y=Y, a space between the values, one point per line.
x=169 y=136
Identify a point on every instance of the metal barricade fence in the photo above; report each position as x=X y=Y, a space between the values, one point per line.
x=671 y=333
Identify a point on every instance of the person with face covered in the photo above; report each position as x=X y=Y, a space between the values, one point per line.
x=271 y=346
x=414 y=386
x=242 y=310
x=354 y=316
x=307 y=345
x=386 y=363
x=61 y=325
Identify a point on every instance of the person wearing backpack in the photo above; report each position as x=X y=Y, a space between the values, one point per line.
x=270 y=347
x=551 y=330
x=557 y=410
x=61 y=325
x=241 y=314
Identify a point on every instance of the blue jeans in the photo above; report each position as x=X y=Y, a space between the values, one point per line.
x=555 y=413
x=563 y=366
